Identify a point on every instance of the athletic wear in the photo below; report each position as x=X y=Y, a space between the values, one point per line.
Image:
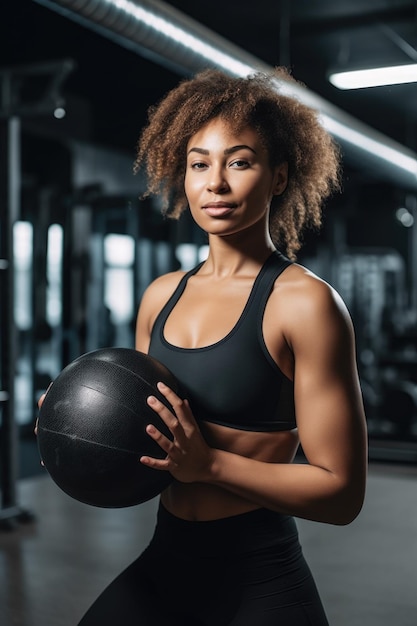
x=233 y=382
x=245 y=570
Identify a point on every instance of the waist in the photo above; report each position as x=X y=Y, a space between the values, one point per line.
x=238 y=534
x=196 y=501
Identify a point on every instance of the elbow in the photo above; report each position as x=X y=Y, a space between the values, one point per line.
x=347 y=505
x=346 y=517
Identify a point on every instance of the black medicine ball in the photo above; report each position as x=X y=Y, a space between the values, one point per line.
x=91 y=429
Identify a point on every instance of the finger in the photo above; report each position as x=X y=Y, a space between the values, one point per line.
x=170 y=395
x=35 y=430
x=158 y=464
x=180 y=406
x=166 y=445
x=163 y=442
x=41 y=399
x=169 y=419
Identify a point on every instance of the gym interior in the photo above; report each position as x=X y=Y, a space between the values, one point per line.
x=78 y=247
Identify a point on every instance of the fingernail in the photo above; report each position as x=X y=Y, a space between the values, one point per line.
x=151 y=399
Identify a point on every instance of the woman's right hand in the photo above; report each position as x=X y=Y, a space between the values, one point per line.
x=40 y=402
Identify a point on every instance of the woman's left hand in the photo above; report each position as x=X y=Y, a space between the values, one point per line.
x=188 y=455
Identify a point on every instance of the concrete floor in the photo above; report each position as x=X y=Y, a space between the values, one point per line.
x=51 y=569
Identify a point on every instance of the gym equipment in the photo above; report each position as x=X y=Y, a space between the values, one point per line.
x=91 y=429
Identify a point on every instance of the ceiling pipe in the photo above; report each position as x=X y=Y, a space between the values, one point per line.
x=161 y=33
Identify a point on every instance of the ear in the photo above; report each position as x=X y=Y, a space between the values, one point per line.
x=280 y=179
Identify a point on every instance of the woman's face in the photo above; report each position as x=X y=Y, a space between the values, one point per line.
x=229 y=183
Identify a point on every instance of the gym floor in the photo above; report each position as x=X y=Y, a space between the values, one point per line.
x=52 y=568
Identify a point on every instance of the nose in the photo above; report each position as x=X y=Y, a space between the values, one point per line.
x=217 y=181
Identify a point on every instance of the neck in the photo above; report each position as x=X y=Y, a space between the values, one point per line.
x=238 y=254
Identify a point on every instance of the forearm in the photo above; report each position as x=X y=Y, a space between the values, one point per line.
x=302 y=490
x=329 y=489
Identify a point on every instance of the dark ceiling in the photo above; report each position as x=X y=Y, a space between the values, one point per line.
x=110 y=89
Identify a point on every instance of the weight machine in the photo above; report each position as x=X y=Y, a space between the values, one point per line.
x=16 y=103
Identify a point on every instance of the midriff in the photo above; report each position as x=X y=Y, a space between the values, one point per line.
x=203 y=501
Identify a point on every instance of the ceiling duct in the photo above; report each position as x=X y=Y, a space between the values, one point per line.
x=161 y=33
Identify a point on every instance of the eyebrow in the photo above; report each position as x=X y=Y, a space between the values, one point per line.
x=226 y=152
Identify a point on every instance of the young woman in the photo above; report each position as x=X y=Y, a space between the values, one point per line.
x=264 y=351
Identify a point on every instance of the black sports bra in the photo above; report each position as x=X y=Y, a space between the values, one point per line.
x=233 y=382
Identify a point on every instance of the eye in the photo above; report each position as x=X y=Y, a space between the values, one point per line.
x=198 y=165
x=240 y=163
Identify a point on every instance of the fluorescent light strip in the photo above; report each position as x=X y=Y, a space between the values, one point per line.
x=391 y=155
x=232 y=65
x=376 y=77
x=179 y=35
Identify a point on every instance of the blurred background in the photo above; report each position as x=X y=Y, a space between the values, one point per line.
x=78 y=246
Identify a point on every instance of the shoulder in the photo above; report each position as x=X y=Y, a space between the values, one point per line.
x=158 y=292
x=308 y=289
x=308 y=304
x=154 y=298
x=163 y=285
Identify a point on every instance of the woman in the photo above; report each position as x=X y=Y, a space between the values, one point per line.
x=264 y=351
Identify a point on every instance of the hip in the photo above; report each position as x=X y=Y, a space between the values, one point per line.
x=234 y=536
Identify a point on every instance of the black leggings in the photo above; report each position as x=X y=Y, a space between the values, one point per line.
x=245 y=570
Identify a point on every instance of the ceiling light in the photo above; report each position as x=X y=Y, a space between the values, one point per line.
x=404 y=217
x=375 y=77
x=159 y=32
x=178 y=34
x=59 y=113
x=402 y=159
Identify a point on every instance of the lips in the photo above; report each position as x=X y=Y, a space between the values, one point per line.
x=218 y=209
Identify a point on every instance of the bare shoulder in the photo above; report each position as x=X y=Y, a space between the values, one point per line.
x=163 y=285
x=158 y=292
x=307 y=303
x=152 y=301
x=309 y=289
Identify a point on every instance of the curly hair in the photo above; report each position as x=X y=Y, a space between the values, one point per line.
x=290 y=131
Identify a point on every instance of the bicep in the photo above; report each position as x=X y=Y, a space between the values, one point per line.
x=328 y=399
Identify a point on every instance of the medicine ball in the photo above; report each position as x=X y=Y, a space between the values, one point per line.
x=91 y=428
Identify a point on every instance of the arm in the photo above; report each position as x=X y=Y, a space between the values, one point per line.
x=330 y=487
x=330 y=419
